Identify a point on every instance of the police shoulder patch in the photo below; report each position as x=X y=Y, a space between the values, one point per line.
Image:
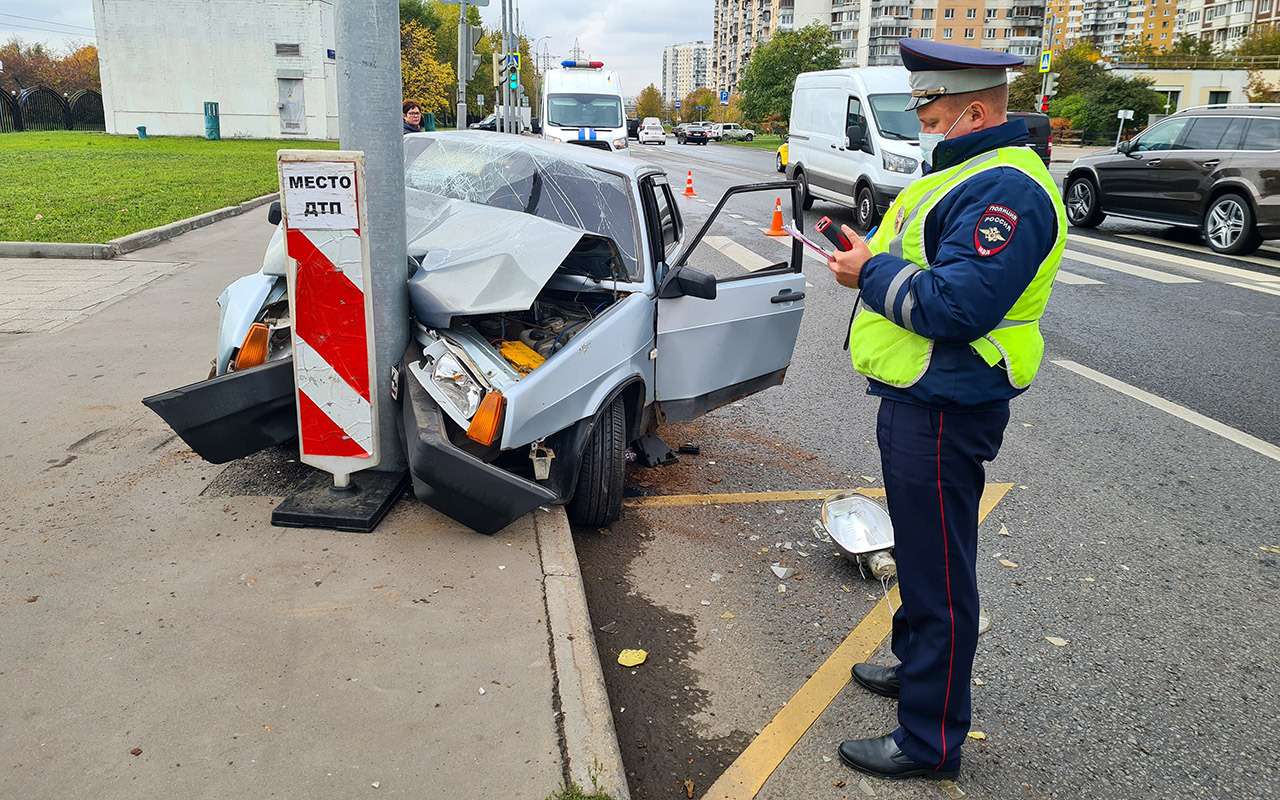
x=994 y=230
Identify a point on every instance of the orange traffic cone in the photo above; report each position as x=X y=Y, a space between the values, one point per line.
x=775 y=228
x=688 y=186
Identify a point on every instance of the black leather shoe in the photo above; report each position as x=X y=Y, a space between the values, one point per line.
x=877 y=679
x=883 y=758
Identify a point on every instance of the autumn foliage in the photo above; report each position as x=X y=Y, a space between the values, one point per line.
x=68 y=71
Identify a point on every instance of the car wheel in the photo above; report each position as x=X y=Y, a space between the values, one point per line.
x=597 y=501
x=1083 y=208
x=777 y=162
x=1229 y=226
x=749 y=137
x=806 y=199
x=865 y=215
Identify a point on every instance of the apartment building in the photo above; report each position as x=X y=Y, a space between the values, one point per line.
x=1109 y=23
x=739 y=27
x=1224 y=22
x=685 y=67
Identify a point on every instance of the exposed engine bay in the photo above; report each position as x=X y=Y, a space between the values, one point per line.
x=527 y=339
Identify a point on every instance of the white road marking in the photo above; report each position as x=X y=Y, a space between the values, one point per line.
x=749 y=260
x=1263 y=289
x=1266 y=262
x=1181 y=261
x=1181 y=412
x=1128 y=269
x=735 y=216
x=1075 y=280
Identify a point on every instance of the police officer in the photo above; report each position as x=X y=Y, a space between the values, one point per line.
x=953 y=285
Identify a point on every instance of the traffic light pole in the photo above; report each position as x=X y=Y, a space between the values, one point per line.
x=464 y=59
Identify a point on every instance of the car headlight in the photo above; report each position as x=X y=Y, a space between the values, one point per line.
x=457 y=385
x=897 y=163
x=620 y=144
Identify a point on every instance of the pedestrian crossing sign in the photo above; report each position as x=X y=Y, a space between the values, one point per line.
x=1046 y=59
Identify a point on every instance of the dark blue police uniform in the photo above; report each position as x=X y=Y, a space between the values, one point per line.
x=936 y=436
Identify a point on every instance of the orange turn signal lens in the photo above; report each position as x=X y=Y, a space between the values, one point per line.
x=254 y=349
x=487 y=423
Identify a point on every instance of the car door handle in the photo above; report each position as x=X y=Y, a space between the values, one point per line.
x=1155 y=162
x=787 y=296
x=1210 y=164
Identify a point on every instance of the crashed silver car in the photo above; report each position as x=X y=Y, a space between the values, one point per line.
x=555 y=325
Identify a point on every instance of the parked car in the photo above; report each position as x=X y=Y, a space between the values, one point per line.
x=852 y=139
x=734 y=132
x=651 y=131
x=780 y=158
x=578 y=329
x=1041 y=134
x=1211 y=168
x=693 y=133
x=633 y=129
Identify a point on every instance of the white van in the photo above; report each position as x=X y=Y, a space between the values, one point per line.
x=582 y=104
x=866 y=174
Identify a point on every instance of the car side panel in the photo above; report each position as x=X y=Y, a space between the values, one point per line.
x=573 y=383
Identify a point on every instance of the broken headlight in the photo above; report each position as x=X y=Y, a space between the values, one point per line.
x=457 y=385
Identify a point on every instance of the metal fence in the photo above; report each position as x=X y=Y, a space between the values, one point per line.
x=39 y=108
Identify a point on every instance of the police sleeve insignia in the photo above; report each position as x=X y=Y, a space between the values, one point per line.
x=994 y=230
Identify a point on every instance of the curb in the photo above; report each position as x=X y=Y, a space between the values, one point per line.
x=586 y=720
x=132 y=242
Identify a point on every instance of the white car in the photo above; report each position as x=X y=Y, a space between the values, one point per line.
x=651 y=131
x=734 y=132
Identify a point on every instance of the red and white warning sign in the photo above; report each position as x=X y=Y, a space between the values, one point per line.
x=333 y=350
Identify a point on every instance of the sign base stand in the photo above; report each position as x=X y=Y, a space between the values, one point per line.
x=357 y=509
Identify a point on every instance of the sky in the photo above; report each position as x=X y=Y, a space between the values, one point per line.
x=628 y=35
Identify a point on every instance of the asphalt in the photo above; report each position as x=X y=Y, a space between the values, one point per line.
x=1138 y=536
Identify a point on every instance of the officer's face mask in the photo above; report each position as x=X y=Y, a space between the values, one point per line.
x=928 y=141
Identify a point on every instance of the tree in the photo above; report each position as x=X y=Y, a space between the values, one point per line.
x=701 y=96
x=1077 y=69
x=78 y=69
x=426 y=80
x=649 y=102
x=770 y=75
x=1263 y=41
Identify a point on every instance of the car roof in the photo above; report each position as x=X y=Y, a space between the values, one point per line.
x=590 y=156
x=1233 y=110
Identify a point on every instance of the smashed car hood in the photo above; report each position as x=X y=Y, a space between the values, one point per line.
x=478 y=259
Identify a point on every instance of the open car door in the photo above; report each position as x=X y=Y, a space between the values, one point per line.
x=723 y=338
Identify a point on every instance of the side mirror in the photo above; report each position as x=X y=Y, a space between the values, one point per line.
x=274 y=215
x=857 y=136
x=689 y=282
x=1125 y=147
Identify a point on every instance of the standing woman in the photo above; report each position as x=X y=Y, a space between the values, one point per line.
x=412 y=117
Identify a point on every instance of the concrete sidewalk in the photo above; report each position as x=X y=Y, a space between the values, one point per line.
x=158 y=638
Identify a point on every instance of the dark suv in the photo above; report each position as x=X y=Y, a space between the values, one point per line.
x=1214 y=168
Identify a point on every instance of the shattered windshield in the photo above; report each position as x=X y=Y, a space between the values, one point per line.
x=505 y=175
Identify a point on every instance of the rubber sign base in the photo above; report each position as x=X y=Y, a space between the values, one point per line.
x=358 y=509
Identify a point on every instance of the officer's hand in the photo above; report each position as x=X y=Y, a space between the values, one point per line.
x=846 y=265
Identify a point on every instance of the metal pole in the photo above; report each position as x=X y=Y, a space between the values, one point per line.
x=507 y=22
x=464 y=61
x=1120 y=132
x=369 y=92
x=502 y=89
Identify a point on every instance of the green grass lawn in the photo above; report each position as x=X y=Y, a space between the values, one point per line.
x=69 y=186
x=765 y=141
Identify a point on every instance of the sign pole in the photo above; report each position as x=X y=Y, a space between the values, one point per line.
x=464 y=63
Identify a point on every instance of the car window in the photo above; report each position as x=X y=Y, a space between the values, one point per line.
x=670 y=225
x=854 y=115
x=893 y=118
x=1161 y=137
x=1263 y=134
x=508 y=175
x=1208 y=133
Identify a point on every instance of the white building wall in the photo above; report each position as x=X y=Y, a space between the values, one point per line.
x=162 y=59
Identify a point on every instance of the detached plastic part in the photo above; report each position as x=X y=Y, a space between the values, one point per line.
x=863 y=531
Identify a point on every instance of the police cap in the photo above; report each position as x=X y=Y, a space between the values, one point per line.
x=947 y=69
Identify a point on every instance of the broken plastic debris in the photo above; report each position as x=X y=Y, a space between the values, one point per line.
x=1004 y=531
x=984 y=623
x=727 y=615
x=1056 y=641
x=706 y=602
x=979 y=682
x=481 y=690
x=1004 y=562
x=632 y=658
x=376 y=784
x=715 y=577
x=1269 y=548
x=782 y=572
x=137 y=751
x=610 y=627
x=868 y=479
x=688 y=789
x=782 y=589
x=977 y=736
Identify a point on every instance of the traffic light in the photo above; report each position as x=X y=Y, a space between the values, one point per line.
x=514 y=80
x=472 y=40
x=497 y=70
x=1051 y=84
x=1044 y=104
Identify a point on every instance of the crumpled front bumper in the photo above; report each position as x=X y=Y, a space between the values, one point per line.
x=479 y=495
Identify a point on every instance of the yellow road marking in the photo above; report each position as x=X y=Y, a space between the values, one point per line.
x=737 y=498
x=748 y=773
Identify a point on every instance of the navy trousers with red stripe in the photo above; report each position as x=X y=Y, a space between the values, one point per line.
x=934 y=476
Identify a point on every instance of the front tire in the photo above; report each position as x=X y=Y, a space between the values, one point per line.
x=1084 y=207
x=1228 y=226
x=750 y=137
x=865 y=214
x=597 y=500
x=777 y=162
x=806 y=199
